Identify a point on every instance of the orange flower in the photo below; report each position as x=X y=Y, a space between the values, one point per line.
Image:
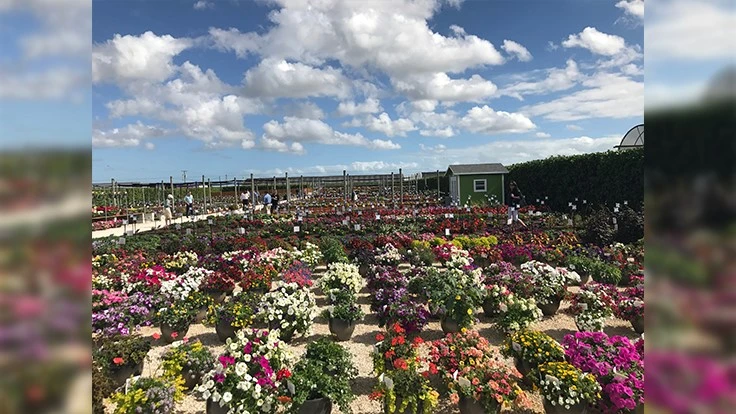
x=118 y=361
x=376 y=395
x=284 y=398
x=454 y=398
x=156 y=336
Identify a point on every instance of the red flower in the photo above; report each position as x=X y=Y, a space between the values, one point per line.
x=376 y=395
x=380 y=337
x=174 y=335
x=156 y=336
x=283 y=373
x=432 y=368
x=418 y=341
x=118 y=361
x=185 y=340
x=401 y=364
x=284 y=398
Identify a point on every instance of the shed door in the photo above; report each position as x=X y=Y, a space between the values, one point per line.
x=454 y=188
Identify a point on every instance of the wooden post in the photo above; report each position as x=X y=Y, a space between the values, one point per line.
x=344 y=185
x=252 y=195
x=401 y=187
x=209 y=187
x=438 y=184
x=393 y=200
x=288 y=192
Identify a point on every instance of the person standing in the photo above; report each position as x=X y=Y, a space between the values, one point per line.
x=275 y=202
x=514 y=201
x=244 y=199
x=267 y=203
x=168 y=205
x=189 y=200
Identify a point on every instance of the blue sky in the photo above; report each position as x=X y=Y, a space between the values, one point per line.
x=233 y=87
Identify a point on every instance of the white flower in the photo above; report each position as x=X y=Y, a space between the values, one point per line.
x=241 y=368
x=227 y=397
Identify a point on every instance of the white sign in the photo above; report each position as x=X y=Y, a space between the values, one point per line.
x=121 y=240
x=360 y=213
x=569 y=222
x=569 y=204
x=378 y=216
x=467 y=209
x=125 y=222
x=574 y=207
x=189 y=231
x=626 y=203
x=178 y=226
x=357 y=227
x=299 y=218
x=452 y=215
x=614 y=220
x=585 y=201
x=615 y=210
x=345 y=222
x=129 y=232
x=209 y=221
x=542 y=202
x=241 y=230
x=296 y=229
x=618 y=205
x=447 y=232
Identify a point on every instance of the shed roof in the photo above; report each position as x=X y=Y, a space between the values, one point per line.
x=466 y=169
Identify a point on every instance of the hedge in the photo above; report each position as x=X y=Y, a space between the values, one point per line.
x=600 y=178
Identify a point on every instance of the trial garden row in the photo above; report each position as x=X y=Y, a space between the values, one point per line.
x=236 y=282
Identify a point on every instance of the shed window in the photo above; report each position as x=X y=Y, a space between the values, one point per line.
x=479 y=186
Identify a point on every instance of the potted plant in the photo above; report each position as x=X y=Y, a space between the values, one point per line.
x=457 y=350
x=564 y=388
x=393 y=349
x=617 y=365
x=189 y=360
x=582 y=265
x=484 y=388
x=550 y=285
x=388 y=255
x=459 y=307
x=341 y=276
x=592 y=305
x=149 y=395
x=234 y=313
x=248 y=376
x=530 y=349
x=494 y=296
x=122 y=356
x=630 y=306
x=411 y=315
x=602 y=272
x=405 y=391
x=175 y=318
x=517 y=313
x=322 y=377
x=343 y=315
x=290 y=309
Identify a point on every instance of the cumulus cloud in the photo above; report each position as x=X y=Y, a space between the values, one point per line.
x=573 y=127
x=281 y=79
x=542 y=135
x=632 y=7
x=383 y=123
x=56 y=83
x=350 y=108
x=440 y=87
x=128 y=58
x=132 y=135
x=555 y=80
x=597 y=42
x=203 y=4
x=484 y=120
x=517 y=50
x=311 y=130
x=441 y=133
x=605 y=95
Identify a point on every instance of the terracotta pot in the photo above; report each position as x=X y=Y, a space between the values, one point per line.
x=449 y=325
x=121 y=373
x=316 y=406
x=550 y=308
x=579 y=408
x=470 y=406
x=638 y=324
x=167 y=332
x=225 y=330
x=341 y=329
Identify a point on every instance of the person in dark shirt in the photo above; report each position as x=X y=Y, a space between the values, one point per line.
x=275 y=203
x=514 y=202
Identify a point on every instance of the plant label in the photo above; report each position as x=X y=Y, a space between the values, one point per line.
x=299 y=218
x=241 y=230
x=357 y=227
x=296 y=229
x=615 y=210
x=626 y=203
x=467 y=209
x=585 y=201
x=345 y=222
x=452 y=215
x=178 y=226
x=508 y=222
x=569 y=222
x=129 y=233
x=125 y=222
x=618 y=205
x=546 y=197
x=569 y=204
x=447 y=232
x=360 y=213
x=614 y=220
x=378 y=216
x=209 y=221
x=574 y=207
x=121 y=240
x=189 y=231
x=542 y=202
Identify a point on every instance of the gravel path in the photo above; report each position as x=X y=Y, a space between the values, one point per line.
x=361 y=345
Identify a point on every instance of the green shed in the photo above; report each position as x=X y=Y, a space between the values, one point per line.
x=477 y=183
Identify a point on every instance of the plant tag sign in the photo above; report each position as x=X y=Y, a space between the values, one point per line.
x=241 y=230
x=357 y=227
x=569 y=204
x=299 y=218
x=542 y=202
x=574 y=207
x=129 y=233
x=626 y=203
x=614 y=220
x=360 y=213
x=178 y=226
x=416 y=212
x=189 y=231
x=345 y=222
x=467 y=209
x=585 y=201
x=447 y=232
x=615 y=210
x=508 y=222
x=125 y=222
x=618 y=205
x=452 y=215
x=378 y=216
x=121 y=240
x=296 y=229
x=569 y=222
x=209 y=221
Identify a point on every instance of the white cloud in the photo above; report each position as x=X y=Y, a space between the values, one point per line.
x=308 y=110
x=150 y=146
x=350 y=108
x=517 y=50
x=424 y=105
x=606 y=95
x=573 y=127
x=281 y=79
x=441 y=87
x=127 y=58
x=437 y=149
x=552 y=46
x=557 y=79
x=376 y=166
x=484 y=120
x=383 y=123
x=55 y=83
x=690 y=31
x=131 y=135
x=542 y=135
x=311 y=130
x=597 y=42
x=203 y=4
x=441 y=133
x=632 y=7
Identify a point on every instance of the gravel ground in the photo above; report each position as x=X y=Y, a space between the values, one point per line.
x=361 y=344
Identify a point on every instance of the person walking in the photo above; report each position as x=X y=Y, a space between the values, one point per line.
x=275 y=202
x=514 y=202
x=267 y=203
x=245 y=199
x=189 y=200
x=168 y=205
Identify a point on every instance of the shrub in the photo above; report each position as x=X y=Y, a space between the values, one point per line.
x=333 y=250
x=630 y=226
x=605 y=273
x=599 y=228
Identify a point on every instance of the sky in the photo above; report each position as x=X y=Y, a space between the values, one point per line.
x=229 y=88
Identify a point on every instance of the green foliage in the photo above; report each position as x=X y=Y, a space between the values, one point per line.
x=468 y=242
x=311 y=380
x=333 y=250
x=600 y=178
x=131 y=348
x=149 y=395
x=192 y=357
x=580 y=264
x=599 y=228
x=335 y=358
x=605 y=273
x=630 y=226
x=344 y=307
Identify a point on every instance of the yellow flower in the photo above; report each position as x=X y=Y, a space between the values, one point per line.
x=470 y=311
x=457 y=297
